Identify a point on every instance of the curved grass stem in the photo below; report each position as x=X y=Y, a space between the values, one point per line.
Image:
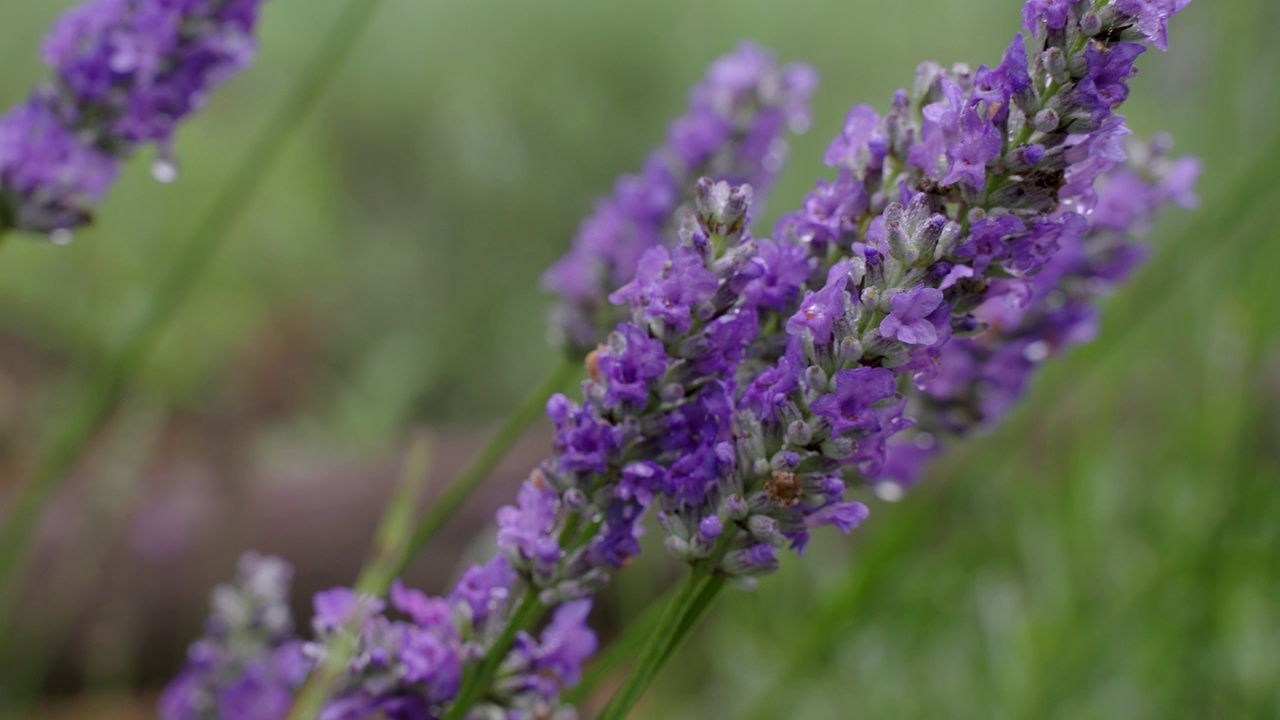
x=680 y=618
x=375 y=579
x=528 y=412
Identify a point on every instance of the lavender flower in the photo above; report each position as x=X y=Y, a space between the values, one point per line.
x=409 y=660
x=967 y=196
x=126 y=72
x=980 y=377
x=733 y=131
x=248 y=662
x=756 y=380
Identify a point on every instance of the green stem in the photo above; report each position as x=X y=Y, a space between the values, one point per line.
x=475 y=685
x=698 y=610
x=94 y=406
x=693 y=597
x=447 y=505
x=388 y=547
x=623 y=647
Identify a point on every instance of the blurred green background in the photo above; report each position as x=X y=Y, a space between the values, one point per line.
x=1111 y=551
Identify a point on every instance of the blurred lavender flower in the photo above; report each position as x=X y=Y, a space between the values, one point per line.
x=734 y=131
x=409 y=659
x=248 y=662
x=126 y=72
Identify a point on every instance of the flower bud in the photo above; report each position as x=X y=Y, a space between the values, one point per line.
x=733 y=508
x=763 y=528
x=1055 y=63
x=678 y=548
x=1091 y=24
x=799 y=433
x=1047 y=121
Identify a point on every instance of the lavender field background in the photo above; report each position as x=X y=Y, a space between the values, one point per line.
x=1110 y=551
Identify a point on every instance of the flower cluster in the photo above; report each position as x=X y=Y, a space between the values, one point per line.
x=973 y=193
x=126 y=72
x=979 y=378
x=755 y=381
x=734 y=131
x=249 y=662
x=409 y=660
x=656 y=415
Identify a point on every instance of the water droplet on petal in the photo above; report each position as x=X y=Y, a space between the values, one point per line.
x=1037 y=351
x=61 y=236
x=164 y=170
x=889 y=491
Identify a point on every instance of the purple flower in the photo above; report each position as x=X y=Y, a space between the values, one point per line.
x=1152 y=17
x=734 y=130
x=941 y=124
x=829 y=214
x=582 y=440
x=851 y=147
x=423 y=609
x=1054 y=13
x=524 y=528
x=429 y=657
x=1106 y=83
x=145 y=65
x=998 y=87
x=786 y=268
x=770 y=390
x=566 y=643
x=909 y=321
x=667 y=286
x=844 y=516
x=48 y=178
x=819 y=310
x=988 y=241
x=484 y=588
x=255 y=695
x=979 y=144
x=127 y=72
x=628 y=364
x=857 y=390
x=338 y=605
x=759 y=559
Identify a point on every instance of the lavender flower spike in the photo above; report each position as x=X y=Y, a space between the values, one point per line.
x=959 y=200
x=248 y=663
x=980 y=377
x=410 y=655
x=126 y=72
x=734 y=131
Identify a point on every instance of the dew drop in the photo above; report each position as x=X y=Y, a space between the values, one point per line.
x=164 y=170
x=924 y=441
x=889 y=491
x=61 y=236
x=1037 y=351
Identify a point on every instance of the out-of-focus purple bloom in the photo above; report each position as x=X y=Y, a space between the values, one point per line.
x=126 y=73
x=1053 y=13
x=1152 y=17
x=735 y=130
x=566 y=643
x=1105 y=85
